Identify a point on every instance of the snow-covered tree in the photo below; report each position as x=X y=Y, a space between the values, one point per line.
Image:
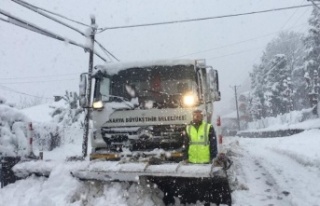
x=12 y=136
x=26 y=102
x=287 y=95
x=69 y=114
x=257 y=106
x=312 y=59
x=299 y=92
x=275 y=83
x=277 y=99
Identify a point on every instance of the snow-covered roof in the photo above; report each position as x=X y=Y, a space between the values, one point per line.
x=114 y=68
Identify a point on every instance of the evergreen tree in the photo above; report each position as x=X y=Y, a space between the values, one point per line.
x=287 y=95
x=276 y=82
x=312 y=59
x=299 y=92
x=69 y=114
x=275 y=88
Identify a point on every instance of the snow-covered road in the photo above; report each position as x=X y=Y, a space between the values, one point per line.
x=281 y=171
x=277 y=171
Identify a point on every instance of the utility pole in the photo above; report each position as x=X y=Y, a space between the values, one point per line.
x=88 y=109
x=237 y=108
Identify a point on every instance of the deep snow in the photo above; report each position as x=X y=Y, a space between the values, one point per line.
x=277 y=171
x=265 y=171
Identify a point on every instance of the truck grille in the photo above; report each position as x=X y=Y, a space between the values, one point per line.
x=122 y=134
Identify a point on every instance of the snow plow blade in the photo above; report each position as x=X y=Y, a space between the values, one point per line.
x=188 y=182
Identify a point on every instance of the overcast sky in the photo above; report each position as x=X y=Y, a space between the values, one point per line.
x=34 y=64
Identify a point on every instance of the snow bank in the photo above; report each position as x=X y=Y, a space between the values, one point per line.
x=63 y=189
x=49 y=132
x=303 y=119
x=272 y=171
x=12 y=136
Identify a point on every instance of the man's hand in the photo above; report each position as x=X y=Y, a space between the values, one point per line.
x=223 y=161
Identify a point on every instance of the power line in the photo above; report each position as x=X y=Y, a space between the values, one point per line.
x=235 y=53
x=5 y=20
x=301 y=16
x=314 y=4
x=202 y=19
x=240 y=52
x=32 y=27
x=106 y=51
x=290 y=17
x=289 y=28
x=232 y=44
x=38 y=11
x=53 y=13
x=18 y=92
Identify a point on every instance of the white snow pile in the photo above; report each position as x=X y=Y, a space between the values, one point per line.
x=63 y=189
x=275 y=171
x=57 y=124
x=303 y=119
x=54 y=124
x=12 y=134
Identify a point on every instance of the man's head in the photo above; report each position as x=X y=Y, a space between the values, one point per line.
x=197 y=116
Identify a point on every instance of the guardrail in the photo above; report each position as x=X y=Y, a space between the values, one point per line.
x=268 y=134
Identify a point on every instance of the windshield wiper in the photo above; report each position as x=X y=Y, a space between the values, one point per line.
x=124 y=100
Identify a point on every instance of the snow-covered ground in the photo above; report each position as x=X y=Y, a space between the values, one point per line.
x=266 y=171
x=277 y=171
x=303 y=119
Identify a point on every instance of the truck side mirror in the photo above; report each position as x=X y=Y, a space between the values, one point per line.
x=83 y=90
x=217 y=94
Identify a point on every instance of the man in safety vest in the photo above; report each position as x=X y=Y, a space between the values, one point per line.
x=200 y=140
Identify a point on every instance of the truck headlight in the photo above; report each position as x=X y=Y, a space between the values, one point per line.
x=189 y=100
x=97 y=105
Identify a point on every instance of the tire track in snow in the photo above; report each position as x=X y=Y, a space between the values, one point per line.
x=304 y=161
x=290 y=174
x=262 y=187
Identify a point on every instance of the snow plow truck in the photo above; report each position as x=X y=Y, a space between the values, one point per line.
x=139 y=113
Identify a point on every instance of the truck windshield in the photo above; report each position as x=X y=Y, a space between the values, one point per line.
x=158 y=86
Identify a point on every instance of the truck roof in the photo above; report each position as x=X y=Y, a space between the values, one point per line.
x=114 y=68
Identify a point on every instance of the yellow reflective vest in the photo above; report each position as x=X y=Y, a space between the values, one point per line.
x=199 y=144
